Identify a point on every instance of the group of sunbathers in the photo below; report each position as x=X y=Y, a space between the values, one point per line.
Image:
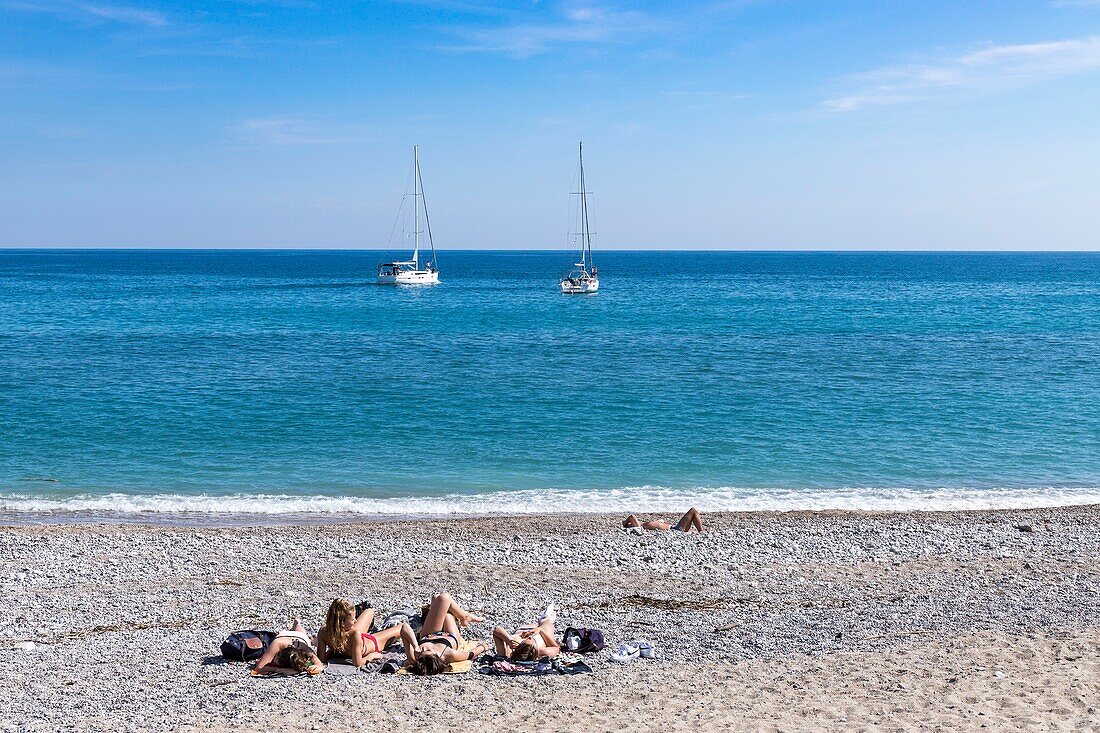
x=438 y=643
x=431 y=649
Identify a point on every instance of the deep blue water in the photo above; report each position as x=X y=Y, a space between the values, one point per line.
x=723 y=378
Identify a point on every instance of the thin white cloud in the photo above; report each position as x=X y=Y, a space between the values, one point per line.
x=291 y=130
x=989 y=68
x=571 y=24
x=120 y=14
x=73 y=10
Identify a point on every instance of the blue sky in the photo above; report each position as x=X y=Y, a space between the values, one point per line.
x=751 y=124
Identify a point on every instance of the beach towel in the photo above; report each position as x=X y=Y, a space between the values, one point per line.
x=276 y=675
x=387 y=663
x=341 y=668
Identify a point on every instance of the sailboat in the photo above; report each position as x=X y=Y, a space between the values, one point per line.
x=584 y=277
x=408 y=272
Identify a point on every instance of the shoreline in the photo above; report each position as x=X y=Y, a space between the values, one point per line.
x=811 y=619
x=219 y=520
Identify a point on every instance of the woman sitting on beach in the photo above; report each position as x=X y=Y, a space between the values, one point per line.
x=440 y=639
x=692 y=521
x=529 y=643
x=289 y=653
x=347 y=635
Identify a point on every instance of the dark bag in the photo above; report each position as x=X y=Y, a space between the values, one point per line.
x=583 y=641
x=246 y=646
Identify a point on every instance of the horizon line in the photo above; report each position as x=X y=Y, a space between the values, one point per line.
x=792 y=250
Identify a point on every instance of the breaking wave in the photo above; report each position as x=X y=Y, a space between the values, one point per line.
x=288 y=508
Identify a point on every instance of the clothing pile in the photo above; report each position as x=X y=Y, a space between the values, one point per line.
x=504 y=667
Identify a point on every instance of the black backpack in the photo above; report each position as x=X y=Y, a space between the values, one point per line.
x=582 y=640
x=246 y=646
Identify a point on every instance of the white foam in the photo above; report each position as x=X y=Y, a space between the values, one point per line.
x=554 y=501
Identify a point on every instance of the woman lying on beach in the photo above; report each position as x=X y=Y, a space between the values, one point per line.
x=692 y=521
x=440 y=639
x=290 y=653
x=529 y=643
x=347 y=635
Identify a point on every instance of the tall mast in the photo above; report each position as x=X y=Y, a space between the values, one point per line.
x=416 y=208
x=586 y=235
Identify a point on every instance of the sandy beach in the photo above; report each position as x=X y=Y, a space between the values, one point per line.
x=773 y=622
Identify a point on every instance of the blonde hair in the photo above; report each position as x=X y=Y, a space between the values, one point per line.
x=338 y=629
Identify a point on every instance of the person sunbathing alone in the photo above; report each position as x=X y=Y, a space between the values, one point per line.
x=692 y=521
x=529 y=643
x=440 y=641
x=289 y=653
x=347 y=634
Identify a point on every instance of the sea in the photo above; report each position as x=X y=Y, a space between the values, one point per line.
x=268 y=386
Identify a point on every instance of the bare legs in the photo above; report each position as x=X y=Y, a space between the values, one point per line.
x=547 y=627
x=692 y=521
x=296 y=625
x=450 y=625
x=444 y=614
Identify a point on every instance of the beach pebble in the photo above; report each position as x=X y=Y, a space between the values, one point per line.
x=774 y=588
x=26 y=646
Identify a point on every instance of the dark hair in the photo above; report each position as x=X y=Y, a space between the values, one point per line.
x=427 y=664
x=525 y=651
x=296 y=656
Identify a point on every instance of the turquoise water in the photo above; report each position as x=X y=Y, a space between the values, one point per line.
x=287 y=381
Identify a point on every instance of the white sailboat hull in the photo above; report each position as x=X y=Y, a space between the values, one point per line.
x=411 y=277
x=571 y=287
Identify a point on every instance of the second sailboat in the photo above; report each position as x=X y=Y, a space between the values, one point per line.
x=408 y=272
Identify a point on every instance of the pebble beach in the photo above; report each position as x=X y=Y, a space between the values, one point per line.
x=972 y=620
